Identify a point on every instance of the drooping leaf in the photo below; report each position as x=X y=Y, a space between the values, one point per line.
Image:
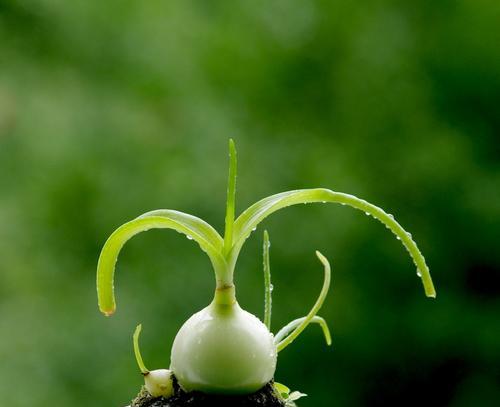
x=193 y=227
x=256 y=213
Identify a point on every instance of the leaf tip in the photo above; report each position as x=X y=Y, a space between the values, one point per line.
x=107 y=308
x=322 y=258
x=232 y=146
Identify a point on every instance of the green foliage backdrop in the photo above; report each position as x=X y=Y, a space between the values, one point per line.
x=112 y=108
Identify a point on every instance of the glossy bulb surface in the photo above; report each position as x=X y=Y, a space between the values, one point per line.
x=223 y=349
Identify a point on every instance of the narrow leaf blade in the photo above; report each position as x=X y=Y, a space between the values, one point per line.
x=256 y=213
x=193 y=227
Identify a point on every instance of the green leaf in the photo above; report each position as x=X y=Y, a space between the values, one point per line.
x=316 y=307
x=282 y=390
x=194 y=228
x=138 y=357
x=231 y=198
x=283 y=332
x=268 y=297
x=256 y=213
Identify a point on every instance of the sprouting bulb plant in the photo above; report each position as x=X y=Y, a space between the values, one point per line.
x=224 y=349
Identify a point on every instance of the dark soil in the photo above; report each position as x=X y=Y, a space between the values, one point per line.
x=265 y=397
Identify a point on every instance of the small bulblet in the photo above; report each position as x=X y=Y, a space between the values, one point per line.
x=159 y=383
x=223 y=349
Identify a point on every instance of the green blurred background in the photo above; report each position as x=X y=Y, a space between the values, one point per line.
x=109 y=109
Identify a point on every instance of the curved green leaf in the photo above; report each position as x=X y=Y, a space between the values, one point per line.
x=137 y=351
x=194 y=228
x=283 y=332
x=256 y=213
x=314 y=310
x=200 y=227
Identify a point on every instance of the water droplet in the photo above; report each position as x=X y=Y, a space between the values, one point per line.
x=323 y=201
x=409 y=235
x=254 y=229
x=367 y=214
x=271 y=287
x=419 y=273
x=189 y=237
x=342 y=203
x=391 y=216
x=397 y=237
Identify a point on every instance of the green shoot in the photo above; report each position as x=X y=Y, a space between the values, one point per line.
x=314 y=310
x=144 y=370
x=268 y=288
x=231 y=194
x=283 y=332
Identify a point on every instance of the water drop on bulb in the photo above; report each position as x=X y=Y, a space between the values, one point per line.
x=254 y=229
x=419 y=274
x=271 y=287
x=397 y=237
x=391 y=215
x=189 y=237
x=367 y=214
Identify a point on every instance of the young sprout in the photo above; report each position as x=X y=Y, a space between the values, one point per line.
x=297 y=326
x=157 y=382
x=268 y=287
x=223 y=349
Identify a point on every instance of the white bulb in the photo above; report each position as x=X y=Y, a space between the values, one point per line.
x=223 y=349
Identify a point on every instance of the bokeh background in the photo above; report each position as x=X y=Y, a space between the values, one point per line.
x=111 y=108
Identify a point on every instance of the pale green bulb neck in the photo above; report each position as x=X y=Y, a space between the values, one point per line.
x=225 y=295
